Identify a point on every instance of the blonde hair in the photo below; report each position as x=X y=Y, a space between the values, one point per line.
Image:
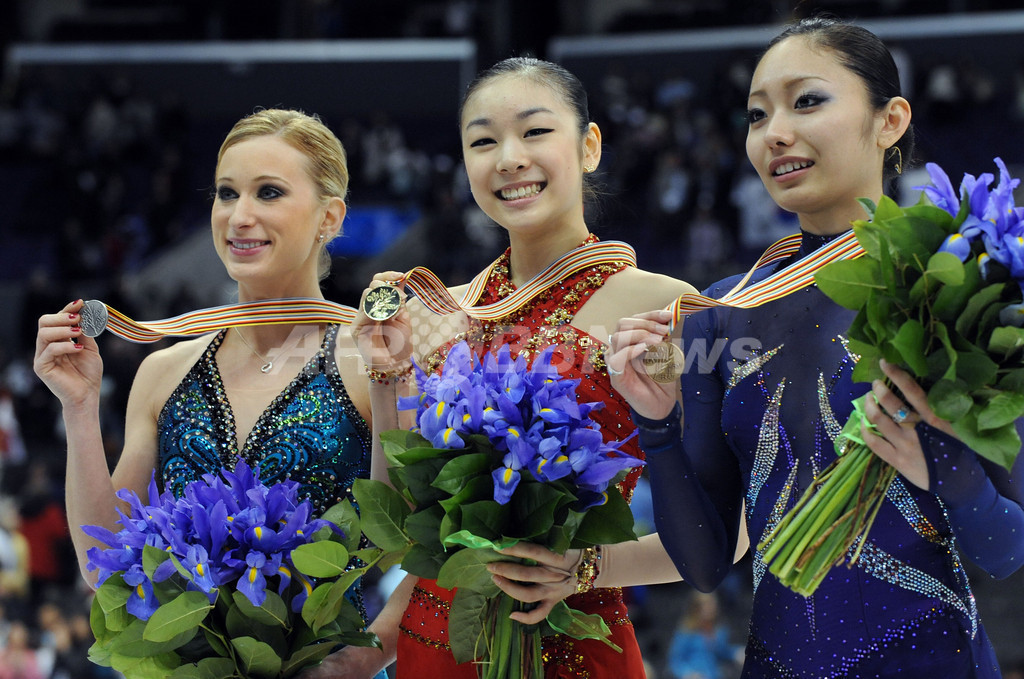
x=327 y=162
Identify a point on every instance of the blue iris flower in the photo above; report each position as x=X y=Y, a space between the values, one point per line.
x=941 y=192
x=142 y=601
x=227 y=529
x=530 y=414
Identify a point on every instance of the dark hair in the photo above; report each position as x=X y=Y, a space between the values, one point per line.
x=547 y=73
x=558 y=79
x=866 y=55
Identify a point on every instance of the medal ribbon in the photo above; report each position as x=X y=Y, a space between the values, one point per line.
x=264 y=312
x=435 y=296
x=780 y=283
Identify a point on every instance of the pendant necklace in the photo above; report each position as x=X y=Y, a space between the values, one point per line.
x=268 y=363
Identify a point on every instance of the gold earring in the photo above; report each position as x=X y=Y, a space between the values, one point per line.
x=898 y=154
x=320 y=239
x=588 y=169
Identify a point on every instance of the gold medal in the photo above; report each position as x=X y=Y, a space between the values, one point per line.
x=382 y=302
x=664 y=362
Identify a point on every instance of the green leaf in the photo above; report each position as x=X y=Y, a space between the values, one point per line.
x=850 y=283
x=485 y=518
x=579 y=625
x=151 y=558
x=1006 y=341
x=475 y=489
x=950 y=399
x=396 y=441
x=156 y=666
x=981 y=301
x=207 y=668
x=237 y=624
x=466 y=624
x=307 y=656
x=996 y=445
x=257 y=659
x=273 y=611
x=1013 y=380
x=1000 y=410
x=130 y=641
x=424 y=526
x=113 y=593
x=909 y=341
x=467 y=568
x=606 y=524
x=534 y=508
x=976 y=369
x=320 y=559
x=174 y=618
x=111 y=599
x=456 y=472
x=886 y=209
x=867 y=368
x=464 y=538
x=423 y=562
x=383 y=513
x=946 y=268
x=346 y=518
x=327 y=602
x=216 y=642
x=417 y=479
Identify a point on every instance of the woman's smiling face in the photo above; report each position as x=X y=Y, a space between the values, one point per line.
x=524 y=154
x=814 y=137
x=266 y=215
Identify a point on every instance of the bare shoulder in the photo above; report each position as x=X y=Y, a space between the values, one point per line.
x=645 y=290
x=161 y=371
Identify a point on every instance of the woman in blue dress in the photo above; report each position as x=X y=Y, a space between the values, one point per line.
x=290 y=398
x=767 y=389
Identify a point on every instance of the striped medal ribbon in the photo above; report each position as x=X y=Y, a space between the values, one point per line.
x=665 y=362
x=779 y=284
x=95 y=316
x=435 y=296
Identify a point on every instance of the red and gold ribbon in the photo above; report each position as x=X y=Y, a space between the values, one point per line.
x=264 y=312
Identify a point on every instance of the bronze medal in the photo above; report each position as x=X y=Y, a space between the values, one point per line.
x=664 y=362
x=92 y=317
x=383 y=302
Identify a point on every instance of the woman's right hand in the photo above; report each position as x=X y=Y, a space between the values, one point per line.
x=632 y=337
x=384 y=345
x=67 y=361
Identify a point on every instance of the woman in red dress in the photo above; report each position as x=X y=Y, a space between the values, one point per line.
x=528 y=145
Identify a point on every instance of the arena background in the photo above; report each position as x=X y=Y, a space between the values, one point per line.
x=111 y=112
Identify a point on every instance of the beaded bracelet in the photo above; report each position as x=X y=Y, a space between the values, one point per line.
x=385 y=377
x=588 y=569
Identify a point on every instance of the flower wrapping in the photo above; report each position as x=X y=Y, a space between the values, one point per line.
x=938 y=292
x=501 y=453
x=233 y=579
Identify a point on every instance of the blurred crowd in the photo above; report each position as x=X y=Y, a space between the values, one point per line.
x=100 y=179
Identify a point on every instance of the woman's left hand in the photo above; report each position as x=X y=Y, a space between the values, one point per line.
x=896 y=441
x=552 y=579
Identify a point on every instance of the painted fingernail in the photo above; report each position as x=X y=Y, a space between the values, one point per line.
x=76 y=329
x=72 y=317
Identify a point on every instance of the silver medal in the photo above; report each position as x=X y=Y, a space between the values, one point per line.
x=93 y=317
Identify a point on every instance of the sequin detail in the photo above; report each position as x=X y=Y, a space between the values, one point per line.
x=544 y=321
x=749 y=367
x=310 y=433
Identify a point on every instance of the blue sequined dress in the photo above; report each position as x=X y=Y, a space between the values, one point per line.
x=765 y=394
x=310 y=433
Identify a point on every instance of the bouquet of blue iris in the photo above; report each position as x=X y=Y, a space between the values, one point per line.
x=502 y=453
x=233 y=579
x=939 y=293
